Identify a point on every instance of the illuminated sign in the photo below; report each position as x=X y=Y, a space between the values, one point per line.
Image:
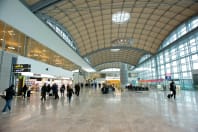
x=168 y=76
x=21 y=68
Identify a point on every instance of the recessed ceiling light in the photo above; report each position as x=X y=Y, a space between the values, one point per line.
x=120 y=17
x=11 y=32
x=35 y=55
x=12 y=48
x=1 y=39
x=122 y=42
x=115 y=50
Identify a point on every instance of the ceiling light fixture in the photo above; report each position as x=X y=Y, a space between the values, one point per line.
x=35 y=55
x=114 y=50
x=120 y=17
x=11 y=33
x=122 y=42
x=12 y=48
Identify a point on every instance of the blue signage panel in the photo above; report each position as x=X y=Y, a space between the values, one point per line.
x=168 y=78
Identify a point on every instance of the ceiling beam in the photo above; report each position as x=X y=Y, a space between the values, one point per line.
x=42 y=4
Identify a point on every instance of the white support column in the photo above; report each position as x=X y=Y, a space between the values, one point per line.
x=123 y=75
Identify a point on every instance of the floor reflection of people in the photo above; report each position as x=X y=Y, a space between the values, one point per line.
x=54 y=104
x=62 y=99
x=43 y=108
x=77 y=101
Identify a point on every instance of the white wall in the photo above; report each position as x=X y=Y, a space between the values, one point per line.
x=40 y=68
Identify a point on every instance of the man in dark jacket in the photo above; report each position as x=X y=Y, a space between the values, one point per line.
x=69 y=93
x=77 y=89
x=25 y=88
x=173 y=89
x=43 y=92
x=55 y=90
x=9 y=95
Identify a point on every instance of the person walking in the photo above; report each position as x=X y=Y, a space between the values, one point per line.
x=70 y=92
x=173 y=89
x=10 y=92
x=48 y=89
x=43 y=92
x=77 y=89
x=55 y=90
x=62 y=90
x=25 y=88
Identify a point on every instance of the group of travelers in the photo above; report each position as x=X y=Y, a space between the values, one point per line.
x=93 y=85
x=45 y=89
x=107 y=88
x=53 y=91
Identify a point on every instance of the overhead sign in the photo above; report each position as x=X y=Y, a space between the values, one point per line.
x=21 y=68
x=168 y=76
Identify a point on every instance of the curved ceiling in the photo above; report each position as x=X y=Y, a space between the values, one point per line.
x=108 y=65
x=90 y=24
x=124 y=55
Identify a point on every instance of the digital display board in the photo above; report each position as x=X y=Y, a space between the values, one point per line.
x=21 y=68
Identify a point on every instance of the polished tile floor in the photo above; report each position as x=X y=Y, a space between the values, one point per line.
x=92 y=111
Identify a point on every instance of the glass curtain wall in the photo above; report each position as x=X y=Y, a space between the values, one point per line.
x=13 y=41
x=178 y=60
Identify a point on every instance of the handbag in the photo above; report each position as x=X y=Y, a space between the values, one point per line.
x=3 y=96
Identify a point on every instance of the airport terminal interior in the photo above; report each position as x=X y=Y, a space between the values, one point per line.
x=126 y=56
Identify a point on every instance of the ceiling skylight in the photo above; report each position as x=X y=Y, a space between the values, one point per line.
x=10 y=47
x=114 y=50
x=120 y=17
x=110 y=69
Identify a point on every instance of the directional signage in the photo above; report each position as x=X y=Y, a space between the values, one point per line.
x=21 y=68
x=168 y=76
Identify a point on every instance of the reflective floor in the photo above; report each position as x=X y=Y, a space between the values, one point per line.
x=92 y=111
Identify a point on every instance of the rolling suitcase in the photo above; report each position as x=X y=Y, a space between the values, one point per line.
x=169 y=96
x=28 y=93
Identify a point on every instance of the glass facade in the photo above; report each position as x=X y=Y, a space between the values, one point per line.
x=144 y=58
x=178 y=60
x=11 y=40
